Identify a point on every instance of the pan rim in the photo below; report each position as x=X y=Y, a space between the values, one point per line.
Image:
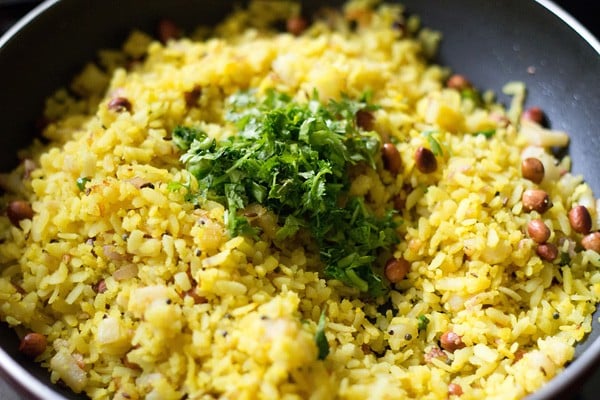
x=573 y=23
x=584 y=364
x=24 y=382
x=25 y=20
x=19 y=378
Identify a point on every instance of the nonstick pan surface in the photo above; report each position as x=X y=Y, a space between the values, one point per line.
x=490 y=42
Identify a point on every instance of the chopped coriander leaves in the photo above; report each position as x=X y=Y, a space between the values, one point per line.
x=565 y=258
x=434 y=143
x=81 y=181
x=473 y=95
x=321 y=339
x=488 y=134
x=293 y=159
x=188 y=196
x=423 y=322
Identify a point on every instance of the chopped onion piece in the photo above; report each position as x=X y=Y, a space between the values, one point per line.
x=125 y=272
x=111 y=253
x=67 y=368
x=537 y=135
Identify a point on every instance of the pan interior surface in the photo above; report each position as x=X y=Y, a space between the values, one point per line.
x=490 y=42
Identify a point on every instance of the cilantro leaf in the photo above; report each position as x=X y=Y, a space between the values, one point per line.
x=434 y=144
x=184 y=136
x=81 y=181
x=423 y=322
x=565 y=258
x=473 y=95
x=321 y=339
x=293 y=159
x=291 y=226
x=488 y=134
x=189 y=194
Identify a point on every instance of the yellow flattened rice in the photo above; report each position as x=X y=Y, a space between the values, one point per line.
x=136 y=292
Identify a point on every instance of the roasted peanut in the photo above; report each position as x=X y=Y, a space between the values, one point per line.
x=33 y=344
x=296 y=25
x=547 y=251
x=119 y=104
x=591 y=241
x=532 y=169
x=167 y=30
x=580 y=219
x=391 y=158
x=534 y=114
x=365 y=120
x=454 y=389
x=18 y=210
x=458 y=82
x=399 y=202
x=100 y=287
x=425 y=160
x=451 y=341
x=396 y=269
x=435 y=352
x=536 y=200
x=538 y=230
x=191 y=97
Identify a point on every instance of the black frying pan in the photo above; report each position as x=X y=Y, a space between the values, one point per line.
x=491 y=42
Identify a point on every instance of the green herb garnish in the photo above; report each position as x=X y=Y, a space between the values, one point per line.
x=434 y=144
x=321 y=339
x=293 y=159
x=472 y=94
x=423 y=322
x=81 y=181
x=488 y=134
x=565 y=258
x=189 y=193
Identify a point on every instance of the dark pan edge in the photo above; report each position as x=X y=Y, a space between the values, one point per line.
x=20 y=379
x=23 y=382
x=568 y=381
x=571 y=22
x=28 y=18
